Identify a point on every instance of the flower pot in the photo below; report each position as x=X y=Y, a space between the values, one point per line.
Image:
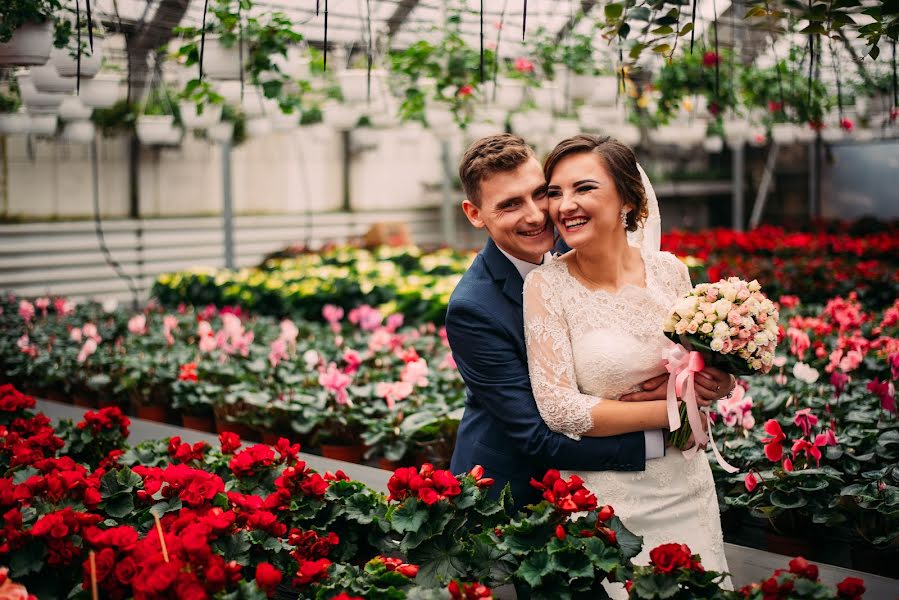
x=84 y=401
x=231 y=91
x=151 y=412
x=282 y=121
x=605 y=91
x=580 y=87
x=102 y=91
x=79 y=132
x=221 y=62
x=713 y=144
x=507 y=94
x=198 y=423
x=157 y=130
x=67 y=65
x=629 y=135
x=295 y=66
x=546 y=97
x=340 y=116
x=258 y=127
x=193 y=119
x=30 y=45
x=386 y=464
x=255 y=104
x=14 y=123
x=47 y=80
x=783 y=133
x=34 y=99
x=105 y=401
x=42 y=124
x=245 y=432
x=354 y=84
x=73 y=109
x=352 y=454
x=532 y=123
x=221 y=132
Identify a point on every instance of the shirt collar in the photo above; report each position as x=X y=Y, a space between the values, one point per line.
x=522 y=266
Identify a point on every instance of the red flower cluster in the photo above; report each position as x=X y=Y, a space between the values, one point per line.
x=567 y=496
x=56 y=530
x=27 y=440
x=267 y=578
x=106 y=419
x=182 y=452
x=252 y=461
x=296 y=480
x=188 y=372
x=468 y=591
x=13 y=401
x=194 y=487
x=229 y=441
x=395 y=564
x=426 y=484
x=670 y=558
x=851 y=588
x=310 y=553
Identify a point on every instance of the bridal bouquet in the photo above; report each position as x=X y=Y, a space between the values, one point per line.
x=731 y=325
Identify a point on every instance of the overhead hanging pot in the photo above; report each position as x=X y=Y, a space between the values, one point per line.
x=30 y=45
x=259 y=126
x=73 y=109
x=222 y=62
x=193 y=119
x=14 y=123
x=46 y=79
x=67 y=65
x=34 y=99
x=604 y=90
x=156 y=130
x=354 y=84
x=42 y=124
x=713 y=144
x=79 y=132
x=102 y=91
x=221 y=132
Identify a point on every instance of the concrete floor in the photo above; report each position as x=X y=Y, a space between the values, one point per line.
x=746 y=564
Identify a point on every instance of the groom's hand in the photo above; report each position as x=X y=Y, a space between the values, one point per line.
x=651 y=389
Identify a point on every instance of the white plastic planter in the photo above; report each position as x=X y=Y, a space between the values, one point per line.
x=507 y=94
x=580 y=87
x=192 y=119
x=42 y=124
x=282 y=121
x=67 y=65
x=546 y=97
x=73 y=109
x=47 y=80
x=35 y=100
x=863 y=135
x=340 y=116
x=783 y=134
x=220 y=62
x=14 y=123
x=221 y=132
x=439 y=117
x=713 y=144
x=532 y=123
x=365 y=139
x=295 y=66
x=258 y=127
x=757 y=137
x=566 y=128
x=255 y=104
x=154 y=130
x=831 y=134
x=605 y=90
x=805 y=134
x=736 y=131
x=79 y=132
x=30 y=45
x=600 y=118
x=354 y=84
x=102 y=91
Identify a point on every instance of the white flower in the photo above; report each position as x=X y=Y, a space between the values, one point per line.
x=722 y=307
x=310 y=357
x=751 y=347
x=706 y=328
x=760 y=339
x=721 y=329
x=692 y=327
x=681 y=326
x=110 y=304
x=754 y=286
x=767 y=358
x=805 y=373
x=756 y=364
x=728 y=292
x=716 y=345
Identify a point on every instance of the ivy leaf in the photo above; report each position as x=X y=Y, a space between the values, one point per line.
x=614 y=11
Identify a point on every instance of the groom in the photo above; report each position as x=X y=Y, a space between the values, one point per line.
x=501 y=428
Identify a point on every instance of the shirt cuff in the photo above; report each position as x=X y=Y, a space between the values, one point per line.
x=655 y=443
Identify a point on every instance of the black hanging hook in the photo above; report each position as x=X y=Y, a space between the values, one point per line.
x=524 y=19
x=693 y=22
x=481 y=64
x=203 y=37
x=326 y=37
x=78 y=43
x=90 y=25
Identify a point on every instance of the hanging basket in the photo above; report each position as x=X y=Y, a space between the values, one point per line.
x=30 y=45
x=295 y=66
x=736 y=132
x=79 y=132
x=605 y=90
x=47 y=80
x=713 y=144
x=42 y=124
x=158 y=130
x=580 y=87
x=73 y=109
x=341 y=116
x=258 y=127
x=221 y=132
x=67 y=65
x=34 y=100
x=507 y=94
x=282 y=121
x=783 y=133
x=192 y=119
x=102 y=91
x=354 y=84
x=14 y=123
x=629 y=135
x=221 y=62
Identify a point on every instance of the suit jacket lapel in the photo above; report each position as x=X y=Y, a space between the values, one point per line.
x=503 y=272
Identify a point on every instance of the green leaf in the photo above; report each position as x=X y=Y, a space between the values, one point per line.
x=119 y=506
x=410 y=516
x=755 y=11
x=636 y=50
x=235 y=547
x=171 y=505
x=782 y=500
x=630 y=543
x=662 y=48
x=604 y=557
x=439 y=562
x=686 y=29
x=613 y=11
x=534 y=568
x=26 y=560
x=663 y=30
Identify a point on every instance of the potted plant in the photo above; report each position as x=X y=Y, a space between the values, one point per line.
x=12 y=120
x=47 y=80
x=104 y=89
x=79 y=132
x=73 y=109
x=199 y=106
x=32 y=98
x=27 y=29
x=66 y=59
x=158 y=122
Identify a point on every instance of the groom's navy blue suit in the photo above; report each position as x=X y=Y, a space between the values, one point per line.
x=502 y=429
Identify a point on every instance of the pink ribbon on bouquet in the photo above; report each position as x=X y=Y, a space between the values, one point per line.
x=682 y=367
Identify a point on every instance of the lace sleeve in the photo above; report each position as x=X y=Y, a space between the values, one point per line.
x=551 y=362
x=677 y=275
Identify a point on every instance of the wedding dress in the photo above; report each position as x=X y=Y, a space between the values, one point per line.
x=588 y=344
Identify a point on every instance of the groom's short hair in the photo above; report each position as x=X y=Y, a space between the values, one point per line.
x=492 y=154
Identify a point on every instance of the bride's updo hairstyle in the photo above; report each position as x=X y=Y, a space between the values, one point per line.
x=618 y=160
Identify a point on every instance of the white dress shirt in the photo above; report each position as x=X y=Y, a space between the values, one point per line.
x=655 y=438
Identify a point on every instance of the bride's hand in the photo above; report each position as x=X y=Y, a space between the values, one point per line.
x=712 y=384
x=651 y=389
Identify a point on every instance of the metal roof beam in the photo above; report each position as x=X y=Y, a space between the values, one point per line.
x=402 y=10
x=586 y=7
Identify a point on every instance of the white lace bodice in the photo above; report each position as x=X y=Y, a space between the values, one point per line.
x=585 y=345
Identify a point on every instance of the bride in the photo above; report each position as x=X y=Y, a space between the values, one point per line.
x=593 y=325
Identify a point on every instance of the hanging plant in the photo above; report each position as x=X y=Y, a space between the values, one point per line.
x=15 y=14
x=689 y=75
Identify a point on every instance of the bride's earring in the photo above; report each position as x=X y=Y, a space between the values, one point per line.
x=624 y=217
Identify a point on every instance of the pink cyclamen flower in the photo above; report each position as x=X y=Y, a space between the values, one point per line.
x=332 y=314
x=277 y=352
x=802 y=445
x=448 y=362
x=89 y=330
x=366 y=317
x=416 y=373
x=336 y=381
x=394 y=322
x=751 y=482
x=788 y=464
x=137 y=325
x=352 y=359
x=894 y=365
x=64 y=307
x=828 y=438
x=838 y=380
x=75 y=335
x=774 y=444
x=886 y=392
x=805 y=420
x=393 y=392
x=26 y=310
x=523 y=65
x=90 y=346
x=42 y=304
